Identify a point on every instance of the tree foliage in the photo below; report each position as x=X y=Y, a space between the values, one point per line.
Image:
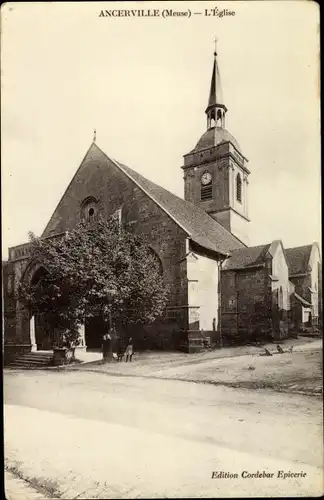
x=98 y=268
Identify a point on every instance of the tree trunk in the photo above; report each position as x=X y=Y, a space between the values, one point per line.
x=107 y=343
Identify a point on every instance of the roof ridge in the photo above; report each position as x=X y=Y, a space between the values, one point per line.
x=245 y=258
x=252 y=247
x=301 y=246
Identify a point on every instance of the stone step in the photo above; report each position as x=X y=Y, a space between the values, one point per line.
x=36 y=356
x=27 y=366
x=31 y=356
x=33 y=359
x=26 y=363
x=36 y=361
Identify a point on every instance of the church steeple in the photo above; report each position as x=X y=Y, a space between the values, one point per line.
x=215 y=171
x=216 y=108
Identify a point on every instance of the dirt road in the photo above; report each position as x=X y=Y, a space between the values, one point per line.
x=98 y=436
x=299 y=371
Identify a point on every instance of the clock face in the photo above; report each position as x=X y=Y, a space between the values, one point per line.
x=206 y=178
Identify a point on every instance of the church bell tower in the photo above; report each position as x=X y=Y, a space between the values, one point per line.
x=215 y=171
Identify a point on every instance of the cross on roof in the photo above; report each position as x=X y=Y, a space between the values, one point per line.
x=215 y=42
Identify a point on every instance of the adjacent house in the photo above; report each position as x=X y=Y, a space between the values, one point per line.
x=305 y=272
x=256 y=293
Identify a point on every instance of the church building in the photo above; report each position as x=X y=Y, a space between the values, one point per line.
x=219 y=286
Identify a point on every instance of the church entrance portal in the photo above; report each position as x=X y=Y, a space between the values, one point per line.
x=95 y=328
x=44 y=334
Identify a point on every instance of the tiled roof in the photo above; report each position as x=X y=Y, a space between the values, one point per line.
x=246 y=257
x=298 y=259
x=199 y=226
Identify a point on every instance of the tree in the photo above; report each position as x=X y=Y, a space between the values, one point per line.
x=99 y=268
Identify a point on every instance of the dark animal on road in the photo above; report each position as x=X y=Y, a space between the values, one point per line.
x=279 y=349
x=267 y=353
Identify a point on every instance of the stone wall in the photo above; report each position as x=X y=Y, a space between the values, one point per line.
x=195 y=165
x=245 y=304
x=15 y=316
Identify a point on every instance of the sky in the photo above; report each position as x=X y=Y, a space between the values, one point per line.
x=143 y=83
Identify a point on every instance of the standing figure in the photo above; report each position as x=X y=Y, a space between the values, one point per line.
x=129 y=350
x=106 y=347
x=120 y=348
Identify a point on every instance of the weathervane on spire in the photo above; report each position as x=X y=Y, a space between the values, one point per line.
x=94 y=135
x=215 y=42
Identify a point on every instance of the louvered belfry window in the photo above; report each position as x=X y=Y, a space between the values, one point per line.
x=239 y=188
x=206 y=192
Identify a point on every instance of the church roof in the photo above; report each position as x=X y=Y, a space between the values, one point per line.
x=298 y=259
x=215 y=136
x=199 y=226
x=195 y=222
x=247 y=257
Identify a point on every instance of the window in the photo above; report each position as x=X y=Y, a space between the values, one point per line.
x=157 y=260
x=89 y=208
x=206 y=192
x=239 y=188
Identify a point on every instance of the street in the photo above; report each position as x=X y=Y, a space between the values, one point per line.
x=93 y=435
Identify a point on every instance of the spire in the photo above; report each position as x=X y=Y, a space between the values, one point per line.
x=216 y=108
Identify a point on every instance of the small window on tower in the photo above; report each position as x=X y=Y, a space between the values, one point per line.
x=239 y=188
x=206 y=192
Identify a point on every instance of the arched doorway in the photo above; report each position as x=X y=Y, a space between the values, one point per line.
x=40 y=327
x=95 y=328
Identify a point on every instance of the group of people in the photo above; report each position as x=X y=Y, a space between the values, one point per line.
x=122 y=351
x=113 y=345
